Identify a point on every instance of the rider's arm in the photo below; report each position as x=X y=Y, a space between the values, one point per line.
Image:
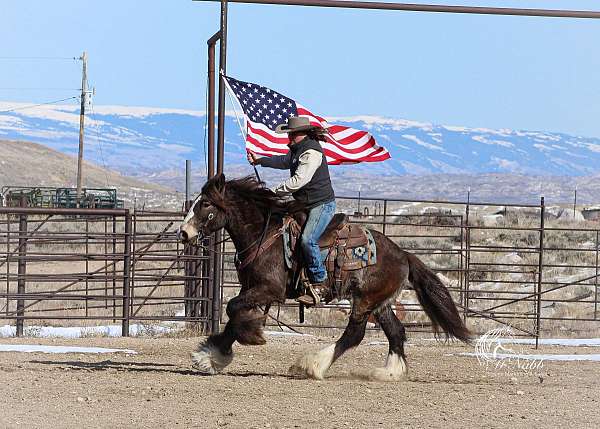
x=307 y=165
x=281 y=162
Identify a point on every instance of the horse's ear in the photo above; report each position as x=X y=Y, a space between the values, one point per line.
x=220 y=181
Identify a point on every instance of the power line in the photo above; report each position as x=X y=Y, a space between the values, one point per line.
x=39 y=58
x=38 y=89
x=37 y=105
x=97 y=131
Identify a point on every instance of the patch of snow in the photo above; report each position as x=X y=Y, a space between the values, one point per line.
x=420 y=142
x=571 y=342
x=511 y=258
x=485 y=140
x=285 y=334
x=36 y=348
x=543 y=357
x=79 y=332
x=505 y=163
x=593 y=147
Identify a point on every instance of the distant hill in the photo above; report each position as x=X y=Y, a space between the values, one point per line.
x=31 y=164
x=428 y=161
x=143 y=141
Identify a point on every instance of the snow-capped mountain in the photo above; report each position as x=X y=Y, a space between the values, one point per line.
x=144 y=141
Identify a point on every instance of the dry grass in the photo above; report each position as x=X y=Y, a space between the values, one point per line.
x=503 y=267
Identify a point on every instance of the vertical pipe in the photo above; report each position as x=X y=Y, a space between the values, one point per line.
x=384 y=216
x=467 y=255
x=211 y=105
x=187 y=264
x=216 y=305
x=210 y=285
x=133 y=241
x=105 y=263
x=222 y=72
x=21 y=272
x=188 y=179
x=596 y=278
x=540 y=276
x=87 y=264
x=8 y=222
x=216 y=301
x=126 y=272
x=461 y=265
x=114 y=267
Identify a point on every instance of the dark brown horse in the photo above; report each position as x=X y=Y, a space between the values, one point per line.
x=241 y=206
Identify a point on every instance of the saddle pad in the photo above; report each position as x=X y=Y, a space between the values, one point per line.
x=356 y=258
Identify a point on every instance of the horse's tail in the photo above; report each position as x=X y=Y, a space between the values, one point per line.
x=436 y=300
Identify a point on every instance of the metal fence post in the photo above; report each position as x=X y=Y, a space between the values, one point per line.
x=217 y=279
x=467 y=266
x=126 y=274
x=21 y=273
x=384 y=215
x=596 y=278
x=538 y=320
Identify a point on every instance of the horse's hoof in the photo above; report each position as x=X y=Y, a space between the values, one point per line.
x=313 y=365
x=395 y=369
x=209 y=360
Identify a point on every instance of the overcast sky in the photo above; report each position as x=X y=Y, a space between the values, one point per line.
x=477 y=71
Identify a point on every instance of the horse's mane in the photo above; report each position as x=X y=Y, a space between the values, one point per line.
x=250 y=189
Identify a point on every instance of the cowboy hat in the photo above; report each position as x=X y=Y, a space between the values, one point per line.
x=297 y=123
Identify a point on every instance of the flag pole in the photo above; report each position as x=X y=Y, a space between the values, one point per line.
x=229 y=91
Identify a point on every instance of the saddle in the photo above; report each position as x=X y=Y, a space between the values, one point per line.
x=344 y=246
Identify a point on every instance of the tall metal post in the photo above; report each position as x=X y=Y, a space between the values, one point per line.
x=467 y=267
x=384 y=216
x=21 y=272
x=596 y=278
x=126 y=275
x=218 y=260
x=211 y=103
x=83 y=58
x=222 y=71
x=540 y=276
x=188 y=179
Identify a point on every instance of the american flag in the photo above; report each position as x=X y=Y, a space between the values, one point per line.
x=264 y=109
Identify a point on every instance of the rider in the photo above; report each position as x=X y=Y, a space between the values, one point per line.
x=310 y=184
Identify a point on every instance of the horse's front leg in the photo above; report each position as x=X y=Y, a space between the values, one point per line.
x=245 y=325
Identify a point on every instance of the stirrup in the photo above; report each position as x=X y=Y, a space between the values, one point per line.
x=311 y=297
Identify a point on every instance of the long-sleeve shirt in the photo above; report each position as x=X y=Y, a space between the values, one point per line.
x=308 y=163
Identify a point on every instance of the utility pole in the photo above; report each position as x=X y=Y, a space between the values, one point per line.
x=83 y=58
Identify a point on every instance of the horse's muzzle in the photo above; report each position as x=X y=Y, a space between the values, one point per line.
x=186 y=233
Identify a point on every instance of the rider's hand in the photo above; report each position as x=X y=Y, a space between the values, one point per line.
x=252 y=159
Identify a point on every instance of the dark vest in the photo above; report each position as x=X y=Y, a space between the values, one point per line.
x=319 y=189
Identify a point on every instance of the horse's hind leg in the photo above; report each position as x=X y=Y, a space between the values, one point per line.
x=315 y=365
x=395 y=365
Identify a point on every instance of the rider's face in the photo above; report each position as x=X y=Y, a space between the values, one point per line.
x=295 y=137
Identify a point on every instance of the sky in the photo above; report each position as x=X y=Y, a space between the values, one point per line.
x=469 y=70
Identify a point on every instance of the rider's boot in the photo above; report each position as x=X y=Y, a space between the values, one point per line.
x=312 y=295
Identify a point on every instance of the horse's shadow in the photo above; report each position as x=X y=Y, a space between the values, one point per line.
x=147 y=367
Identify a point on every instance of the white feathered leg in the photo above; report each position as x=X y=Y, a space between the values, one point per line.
x=209 y=360
x=314 y=365
x=395 y=369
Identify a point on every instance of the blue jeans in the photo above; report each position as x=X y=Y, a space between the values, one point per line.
x=318 y=219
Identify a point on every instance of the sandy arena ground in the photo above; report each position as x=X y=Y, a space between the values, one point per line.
x=157 y=388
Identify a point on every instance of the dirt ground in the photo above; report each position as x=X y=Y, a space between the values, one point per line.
x=158 y=388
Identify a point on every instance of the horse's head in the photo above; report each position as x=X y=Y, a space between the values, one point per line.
x=208 y=212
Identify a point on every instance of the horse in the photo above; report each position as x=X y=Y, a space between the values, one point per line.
x=251 y=213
